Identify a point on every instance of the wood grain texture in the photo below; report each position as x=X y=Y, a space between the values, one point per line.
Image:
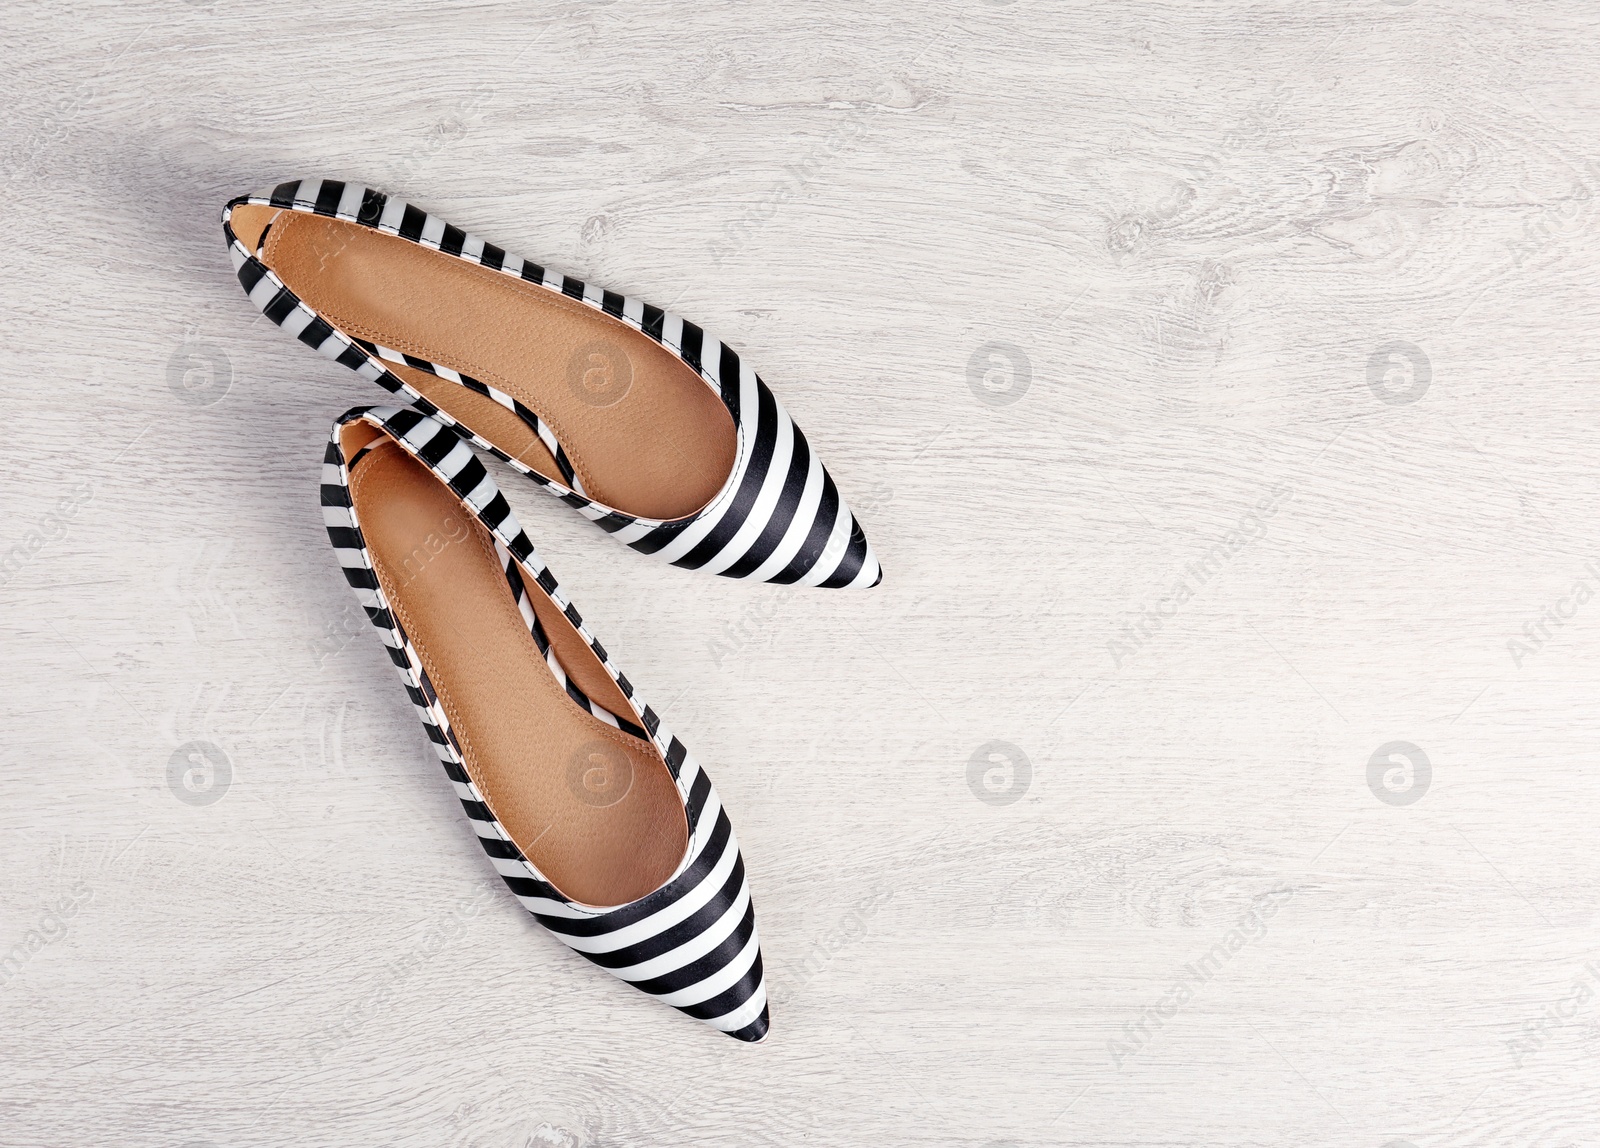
x=1305 y=302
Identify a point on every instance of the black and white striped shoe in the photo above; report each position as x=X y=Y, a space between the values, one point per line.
x=600 y=821
x=633 y=416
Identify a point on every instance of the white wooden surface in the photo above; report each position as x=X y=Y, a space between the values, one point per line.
x=1194 y=226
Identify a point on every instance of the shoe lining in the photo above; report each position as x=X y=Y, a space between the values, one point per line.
x=592 y=807
x=644 y=433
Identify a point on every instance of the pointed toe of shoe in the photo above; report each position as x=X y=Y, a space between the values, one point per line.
x=858 y=569
x=875 y=567
x=756 y=1031
x=835 y=555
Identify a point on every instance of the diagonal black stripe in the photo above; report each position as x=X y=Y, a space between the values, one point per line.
x=684 y=931
x=412 y=222
x=442 y=443
x=316 y=333
x=660 y=536
x=279 y=306
x=251 y=272
x=690 y=343
x=401 y=422
x=699 y=794
x=749 y=487
x=328 y=197
x=794 y=485
x=855 y=557
x=650 y=322
x=466 y=479
x=502 y=850
x=729 y=998
x=493 y=257
x=528 y=887
x=372 y=205
x=728 y=370
x=698 y=970
x=821 y=528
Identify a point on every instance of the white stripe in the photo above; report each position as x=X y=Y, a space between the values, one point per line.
x=692 y=949
x=482 y=494
x=805 y=516
x=394 y=210
x=453 y=463
x=421 y=435
x=333 y=346
x=672 y=331
x=350 y=202
x=307 y=192
x=297 y=320
x=502 y=398
x=869 y=572
x=687 y=772
x=711 y=360
x=263 y=292
x=509 y=867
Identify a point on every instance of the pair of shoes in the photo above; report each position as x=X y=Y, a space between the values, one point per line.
x=597 y=817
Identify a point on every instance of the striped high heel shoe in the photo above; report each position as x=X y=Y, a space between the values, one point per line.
x=636 y=418
x=599 y=820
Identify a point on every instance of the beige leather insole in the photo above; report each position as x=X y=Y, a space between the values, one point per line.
x=593 y=808
x=644 y=433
